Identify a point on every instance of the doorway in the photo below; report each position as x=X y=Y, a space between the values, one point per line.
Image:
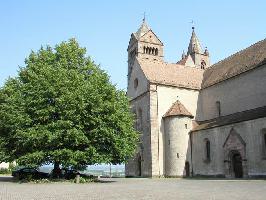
x=237 y=165
x=187 y=169
x=139 y=166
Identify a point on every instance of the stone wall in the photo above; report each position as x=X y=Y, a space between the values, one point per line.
x=254 y=159
x=140 y=164
x=244 y=92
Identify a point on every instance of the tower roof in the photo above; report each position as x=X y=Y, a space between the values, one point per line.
x=194 y=44
x=171 y=74
x=178 y=109
x=143 y=29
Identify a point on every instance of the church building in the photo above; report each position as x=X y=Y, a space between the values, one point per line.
x=194 y=118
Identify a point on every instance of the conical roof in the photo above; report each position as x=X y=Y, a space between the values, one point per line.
x=178 y=109
x=194 y=44
x=143 y=29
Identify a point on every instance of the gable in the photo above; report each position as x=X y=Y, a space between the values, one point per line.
x=150 y=37
x=234 y=140
x=142 y=82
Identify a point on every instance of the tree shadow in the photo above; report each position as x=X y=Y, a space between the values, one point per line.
x=104 y=181
x=7 y=179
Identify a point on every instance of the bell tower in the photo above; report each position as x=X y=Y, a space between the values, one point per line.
x=201 y=59
x=144 y=44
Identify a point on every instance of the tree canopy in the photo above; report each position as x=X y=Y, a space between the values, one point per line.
x=63 y=109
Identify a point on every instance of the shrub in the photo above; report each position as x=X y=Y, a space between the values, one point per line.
x=83 y=180
x=5 y=171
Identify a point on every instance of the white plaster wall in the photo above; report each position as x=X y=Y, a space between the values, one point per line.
x=250 y=131
x=176 y=144
x=243 y=92
x=166 y=97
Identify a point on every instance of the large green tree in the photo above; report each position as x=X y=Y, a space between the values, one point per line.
x=63 y=109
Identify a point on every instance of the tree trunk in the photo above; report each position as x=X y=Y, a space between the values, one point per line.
x=56 y=170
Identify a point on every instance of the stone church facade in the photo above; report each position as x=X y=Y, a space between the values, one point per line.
x=197 y=119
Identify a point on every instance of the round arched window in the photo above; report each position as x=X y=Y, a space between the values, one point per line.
x=136 y=83
x=203 y=64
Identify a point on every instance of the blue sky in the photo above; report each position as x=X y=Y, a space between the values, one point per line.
x=104 y=28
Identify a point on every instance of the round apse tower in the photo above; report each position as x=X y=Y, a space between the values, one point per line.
x=177 y=124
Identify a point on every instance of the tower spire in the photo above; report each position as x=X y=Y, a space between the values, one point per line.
x=144 y=28
x=193 y=24
x=183 y=55
x=194 y=44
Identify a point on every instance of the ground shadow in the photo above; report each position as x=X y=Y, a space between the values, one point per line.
x=220 y=178
x=14 y=180
x=104 y=181
x=7 y=179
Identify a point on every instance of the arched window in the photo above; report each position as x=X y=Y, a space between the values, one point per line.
x=263 y=144
x=264 y=138
x=218 y=108
x=153 y=51
x=202 y=64
x=136 y=83
x=144 y=49
x=207 y=150
x=140 y=119
x=135 y=118
x=156 y=52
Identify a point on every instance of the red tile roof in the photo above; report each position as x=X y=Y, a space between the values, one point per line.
x=171 y=74
x=178 y=109
x=238 y=63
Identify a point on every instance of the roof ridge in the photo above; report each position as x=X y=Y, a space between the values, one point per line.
x=236 y=64
x=236 y=53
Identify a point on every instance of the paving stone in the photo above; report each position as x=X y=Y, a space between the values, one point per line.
x=141 y=188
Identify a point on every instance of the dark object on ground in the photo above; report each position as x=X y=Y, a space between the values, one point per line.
x=57 y=173
x=72 y=173
x=27 y=172
x=68 y=174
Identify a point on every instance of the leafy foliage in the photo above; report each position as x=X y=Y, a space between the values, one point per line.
x=63 y=109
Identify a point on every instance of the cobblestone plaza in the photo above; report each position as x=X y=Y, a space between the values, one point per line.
x=136 y=188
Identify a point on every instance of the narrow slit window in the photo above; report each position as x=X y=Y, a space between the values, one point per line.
x=218 y=108
x=208 y=150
